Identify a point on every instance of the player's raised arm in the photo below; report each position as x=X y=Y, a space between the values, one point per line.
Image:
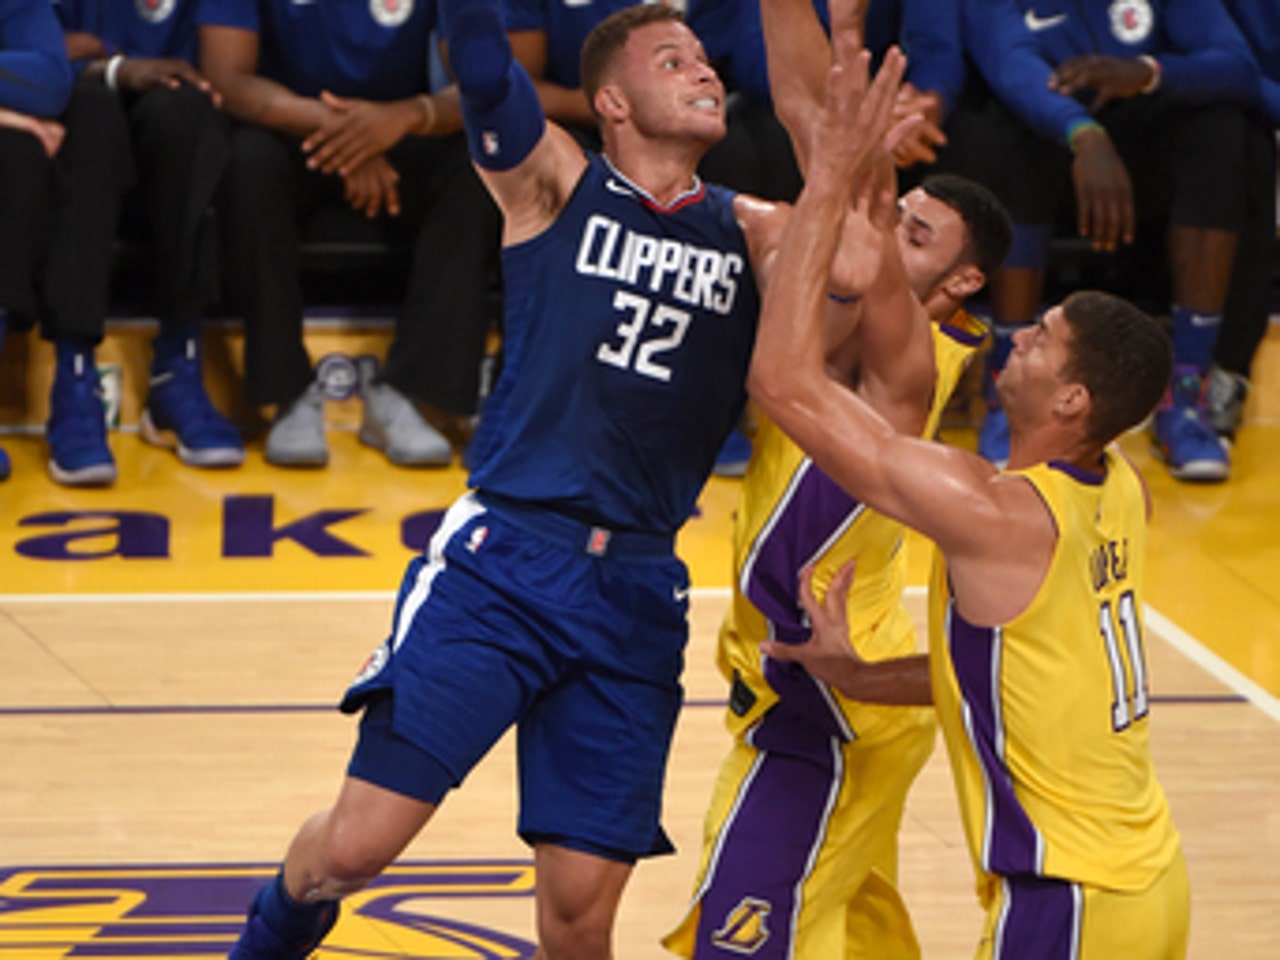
x=946 y=493
x=529 y=165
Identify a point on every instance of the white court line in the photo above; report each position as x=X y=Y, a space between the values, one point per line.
x=1212 y=664
x=1178 y=638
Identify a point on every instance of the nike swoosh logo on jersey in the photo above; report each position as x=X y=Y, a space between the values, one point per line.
x=1205 y=320
x=681 y=595
x=1036 y=24
x=614 y=186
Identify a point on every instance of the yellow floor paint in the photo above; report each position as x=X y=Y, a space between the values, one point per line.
x=1214 y=564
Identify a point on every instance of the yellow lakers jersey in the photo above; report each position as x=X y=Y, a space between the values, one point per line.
x=790 y=515
x=1045 y=717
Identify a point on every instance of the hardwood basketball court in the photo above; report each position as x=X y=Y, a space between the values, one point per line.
x=171 y=650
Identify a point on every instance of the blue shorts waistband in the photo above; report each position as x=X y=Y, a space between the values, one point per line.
x=577 y=534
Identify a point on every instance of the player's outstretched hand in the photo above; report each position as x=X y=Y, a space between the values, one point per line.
x=856 y=125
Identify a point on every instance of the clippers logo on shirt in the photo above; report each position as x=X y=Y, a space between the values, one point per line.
x=390 y=13
x=746 y=929
x=1131 y=20
x=155 y=11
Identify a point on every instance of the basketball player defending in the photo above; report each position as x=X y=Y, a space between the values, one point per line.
x=800 y=847
x=1036 y=659
x=550 y=598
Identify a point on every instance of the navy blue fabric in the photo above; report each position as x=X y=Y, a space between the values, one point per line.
x=35 y=76
x=1016 y=44
x=628 y=332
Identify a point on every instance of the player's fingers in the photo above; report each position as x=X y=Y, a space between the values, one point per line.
x=778 y=651
x=807 y=599
x=1107 y=225
x=1127 y=217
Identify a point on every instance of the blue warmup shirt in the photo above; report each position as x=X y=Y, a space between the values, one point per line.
x=374 y=49
x=1259 y=21
x=628 y=332
x=928 y=31
x=566 y=26
x=35 y=77
x=161 y=28
x=1016 y=44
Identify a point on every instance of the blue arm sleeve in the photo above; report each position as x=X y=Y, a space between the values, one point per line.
x=1259 y=23
x=930 y=37
x=500 y=108
x=35 y=76
x=1007 y=55
x=1207 y=57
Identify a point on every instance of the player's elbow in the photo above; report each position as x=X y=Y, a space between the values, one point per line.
x=780 y=391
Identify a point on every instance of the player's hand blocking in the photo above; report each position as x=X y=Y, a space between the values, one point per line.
x=827 y=654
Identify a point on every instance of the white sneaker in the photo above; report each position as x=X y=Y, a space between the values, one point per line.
x=392 y=424
x=297 y=437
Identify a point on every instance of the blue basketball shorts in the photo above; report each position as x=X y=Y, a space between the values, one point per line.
x=574 y=634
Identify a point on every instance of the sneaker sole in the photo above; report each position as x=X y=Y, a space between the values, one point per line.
x=96 y=475
x=1195 y=471
x=293 y=460
x=371 y=438
x=169 y=440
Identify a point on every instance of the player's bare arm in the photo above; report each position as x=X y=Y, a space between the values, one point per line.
x=532 y=194
x=893 y=342
x=229 y=58
x=993 y=528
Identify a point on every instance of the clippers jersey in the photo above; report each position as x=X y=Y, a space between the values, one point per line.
x=628 y=333
x=376 y=49
x=155 y=29
x=1045 y=717
x=790 y=515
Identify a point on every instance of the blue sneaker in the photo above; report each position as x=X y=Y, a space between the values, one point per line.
x=734 y=455
x=179 y=416
x=258 y=941
x=993 y=437
x=5 y=468
x=1183 y=437
x=77 y=426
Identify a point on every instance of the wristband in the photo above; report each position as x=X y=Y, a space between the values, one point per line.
x=1154 y=83
x=109 y=74
x=1079 y=127
x=843 y=298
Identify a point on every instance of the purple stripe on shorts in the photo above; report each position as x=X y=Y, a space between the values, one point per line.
x=1011 y=844
x=1040 y=918
x=777 y=822
x=811 y=512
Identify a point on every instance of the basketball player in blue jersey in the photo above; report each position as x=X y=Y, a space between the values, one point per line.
x=800 y=846
x=1036 y=662
x=550 y=598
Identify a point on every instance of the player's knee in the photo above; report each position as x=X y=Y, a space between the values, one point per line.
x=349 y=864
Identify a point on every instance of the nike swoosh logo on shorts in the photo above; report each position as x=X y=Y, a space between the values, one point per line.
x=1036 y=24
x=681 y=595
